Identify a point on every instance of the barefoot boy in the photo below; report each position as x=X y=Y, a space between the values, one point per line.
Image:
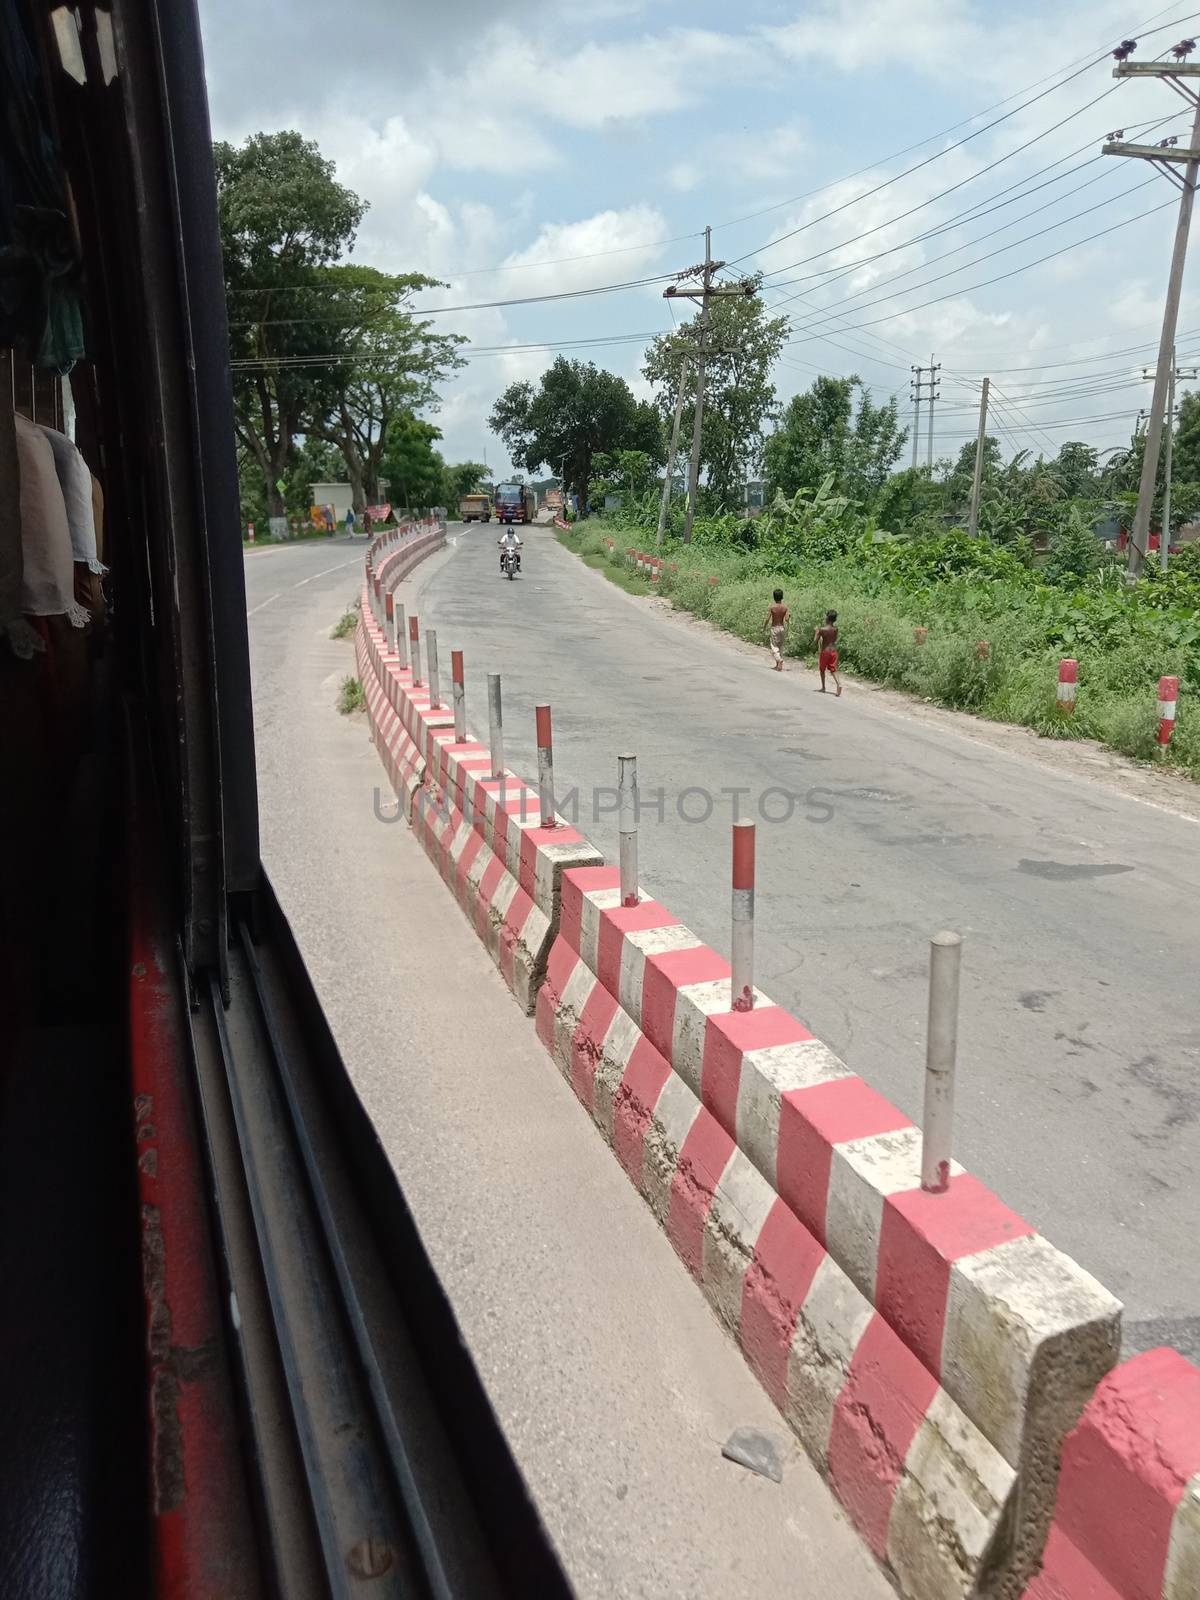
x=775 y=623
x=825 y=634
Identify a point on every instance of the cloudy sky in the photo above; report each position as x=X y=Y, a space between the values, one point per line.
x=867 y=155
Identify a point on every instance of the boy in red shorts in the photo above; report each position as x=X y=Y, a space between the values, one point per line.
x=826 y=636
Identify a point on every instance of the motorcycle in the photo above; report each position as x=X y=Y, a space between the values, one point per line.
x=510 y=561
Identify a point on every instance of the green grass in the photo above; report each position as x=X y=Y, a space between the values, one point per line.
x=346 y=625
x=298 y=538
x=351 y=697
x=1014 y=681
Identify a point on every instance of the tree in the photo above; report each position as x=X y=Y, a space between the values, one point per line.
x=819 y=435
x=962 y=475
x=1075 y=467
x=1074 y=551
x=909 y=498
x=576 y=411
x=1186 y=465
x=283 y=216
x=625 y=472
x=391 y=363
x=743 y=344
x=413 y=468
x=466 y=477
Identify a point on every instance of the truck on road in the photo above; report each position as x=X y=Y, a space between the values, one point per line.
x=475 y=508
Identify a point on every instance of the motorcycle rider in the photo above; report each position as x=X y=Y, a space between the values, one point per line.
x=510 y=540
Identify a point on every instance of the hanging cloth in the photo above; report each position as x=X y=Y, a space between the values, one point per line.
x=75 y=481
x=22 y=639
x=48 y=582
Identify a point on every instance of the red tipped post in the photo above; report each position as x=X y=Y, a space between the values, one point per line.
x=627 y=828
x=1168 y=697
x=1068 y=684
x=460 y=696
x=389 y=602
x=414 y=649
x=545 y=756
x=431 y=657
x=742 y=981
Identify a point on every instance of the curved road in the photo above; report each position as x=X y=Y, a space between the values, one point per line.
x=1079 y=1044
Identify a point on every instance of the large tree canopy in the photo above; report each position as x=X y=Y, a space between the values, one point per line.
x=577 y=411
x=742 y=345
x=391 y=362
x=820 y=435
x=283 y=216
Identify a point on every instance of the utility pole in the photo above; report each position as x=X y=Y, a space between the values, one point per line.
x=1162 y=155
x=705 y=295
x=670 y=478
x=977 y=481
x=924 y=389
x=1175 y=375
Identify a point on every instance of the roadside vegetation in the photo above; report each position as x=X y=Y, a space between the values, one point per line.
x=351 y=697
x=996 y=619
x=346 y=624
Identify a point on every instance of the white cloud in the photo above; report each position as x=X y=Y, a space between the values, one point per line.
x=684 y=176
x=609 y=246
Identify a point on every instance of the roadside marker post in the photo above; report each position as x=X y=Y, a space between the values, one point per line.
x=390 y=620
x=941 y=1051
x=1168 y=698
x=460 y=697
x=1068 y=684
x=431 y=662
x=414 y=649
x=742 y=941
x=495 y=725
x=627 y=826
x=401 y=637
x=545 y=757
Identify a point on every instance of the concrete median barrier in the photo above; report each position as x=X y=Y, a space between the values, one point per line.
x=1127 y=1518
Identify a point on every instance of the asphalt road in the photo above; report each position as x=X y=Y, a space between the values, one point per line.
x=1078 y=1088
x=614 y=1382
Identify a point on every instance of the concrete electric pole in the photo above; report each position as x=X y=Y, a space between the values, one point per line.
x=980 y=442
x=1190 y=373
x=705 y=294
x=670 y=478
x=1162 y=155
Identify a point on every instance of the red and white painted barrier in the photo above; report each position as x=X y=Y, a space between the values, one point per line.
x=1068 y=683
x=250 y=532
x=1015 y=1332
x=928 y=1492
x=483 y=833
x=1168 y=697
x=1127 y=1516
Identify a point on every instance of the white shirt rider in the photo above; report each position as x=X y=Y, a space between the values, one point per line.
x=508 y=540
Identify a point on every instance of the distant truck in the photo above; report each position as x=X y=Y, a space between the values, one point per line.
x=475 y=508
x=515 y=502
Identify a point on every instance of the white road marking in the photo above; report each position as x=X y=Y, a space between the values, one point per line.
x=263 y=604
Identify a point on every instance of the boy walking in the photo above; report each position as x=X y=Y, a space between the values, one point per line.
x=775 y=623
x=825 y=634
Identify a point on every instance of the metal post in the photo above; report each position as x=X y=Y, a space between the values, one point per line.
x=460 y=696
x=977 y=481
x=941 y=1049
x=1166 y=353
x=742 y=942
x=401 y=637
x=933 y=372
x=545 y=757
x=698 y=421
x=389 y=612
x=495 y=725
x=435 y=687
x=666 y=494
x=414 y=649
x=627 y=824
